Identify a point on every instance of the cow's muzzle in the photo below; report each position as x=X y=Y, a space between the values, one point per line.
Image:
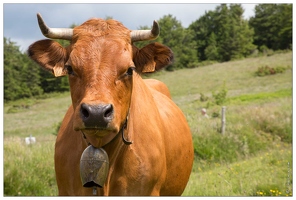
x=96 y=116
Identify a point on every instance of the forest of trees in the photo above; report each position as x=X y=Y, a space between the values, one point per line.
x=217 y=36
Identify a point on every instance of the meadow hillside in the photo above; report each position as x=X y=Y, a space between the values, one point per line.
x=252 y=158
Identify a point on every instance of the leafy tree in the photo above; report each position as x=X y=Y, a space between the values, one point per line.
x=272 y=24
x=264 y=25
x=20 y=78
x=203 y=29
x=50 y=83
x=180 y=40
x=223 y=34
x=12 y=81
x=234 y=35
x=285 y=33
x=23 y=78
x=223 y=26
x=30 y=78
x=187 y=50
x=211 y=51
x=241 y=34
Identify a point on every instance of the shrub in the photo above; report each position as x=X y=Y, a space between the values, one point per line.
x=266 y=70
x=193 y=65
x=280 y=69
x=220 y=96
x=56 y=128
x=203 y=97
x=263 y=71
x=266 y=51
x=215 y=114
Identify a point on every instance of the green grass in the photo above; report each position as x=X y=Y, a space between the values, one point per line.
x=40 y=119
x=252 y=158
x=238 y=76
x=29 y=169
x=263 y=96
x=271 y=170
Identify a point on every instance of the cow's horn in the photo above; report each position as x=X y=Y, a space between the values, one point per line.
x=141 y=35
x=54 y=33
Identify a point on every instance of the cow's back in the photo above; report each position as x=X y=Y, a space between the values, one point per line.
x=159 y=86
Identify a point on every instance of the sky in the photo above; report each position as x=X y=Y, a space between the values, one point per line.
x=20 y=21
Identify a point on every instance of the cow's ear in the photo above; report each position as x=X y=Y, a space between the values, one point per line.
x=152 y=57
x=50 y=55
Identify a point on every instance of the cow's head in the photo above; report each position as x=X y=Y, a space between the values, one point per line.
x=100 y=63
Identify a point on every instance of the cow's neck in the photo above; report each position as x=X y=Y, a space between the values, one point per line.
x=141 y=96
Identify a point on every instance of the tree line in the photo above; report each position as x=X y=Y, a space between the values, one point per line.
x=219 y=35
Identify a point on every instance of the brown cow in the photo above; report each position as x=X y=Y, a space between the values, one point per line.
x=104 y=70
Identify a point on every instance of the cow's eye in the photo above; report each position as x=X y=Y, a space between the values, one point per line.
x=69 y=70
x=127 y=74
x=130 y=71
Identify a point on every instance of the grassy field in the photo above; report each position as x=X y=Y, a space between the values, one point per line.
x=252 y=158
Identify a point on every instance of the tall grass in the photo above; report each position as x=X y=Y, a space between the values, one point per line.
x=251 y=159
x=250 y=129
x=265 y=174
x=29 y=169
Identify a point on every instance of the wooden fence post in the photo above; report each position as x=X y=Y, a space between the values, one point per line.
x=223 y=120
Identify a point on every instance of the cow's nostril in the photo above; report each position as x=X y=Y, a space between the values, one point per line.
x=109 y=111
x=84 y=111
